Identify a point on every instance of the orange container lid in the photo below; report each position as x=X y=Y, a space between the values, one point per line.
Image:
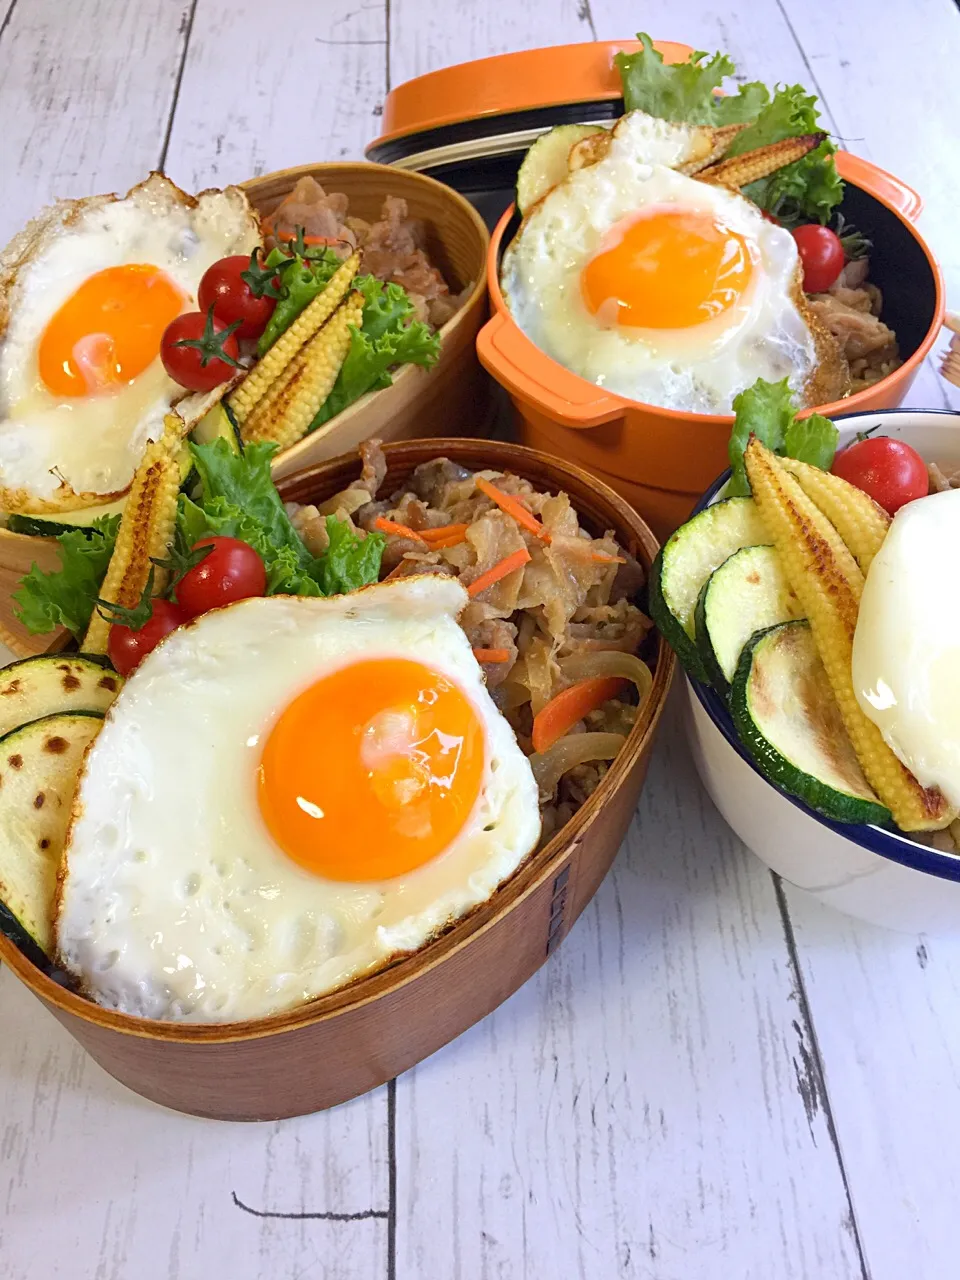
x=509 y=83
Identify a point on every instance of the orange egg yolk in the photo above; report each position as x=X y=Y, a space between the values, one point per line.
x=666 y=270
x=372 y=771
x=108 y=331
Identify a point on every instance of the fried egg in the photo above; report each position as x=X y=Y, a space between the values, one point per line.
x=906 y=648
x=86 y=291
x=287 y=793
x=658 y=286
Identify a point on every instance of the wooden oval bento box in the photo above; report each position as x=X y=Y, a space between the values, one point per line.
x=342 y=1044
x=455 y=392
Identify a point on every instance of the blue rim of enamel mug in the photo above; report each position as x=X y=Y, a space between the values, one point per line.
x=888 y=844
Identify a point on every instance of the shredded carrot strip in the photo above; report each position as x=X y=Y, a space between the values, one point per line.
x=570 y=705
x=506 y=502
x=602 y=557
x=400 y=530
x=438 y=544
x=492 y=655
x=516 y=560
x=445 y=531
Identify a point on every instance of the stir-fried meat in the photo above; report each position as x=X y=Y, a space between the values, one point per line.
x=580 y=783
x=394 y=247
x=628 y=580
x=321 y=216
x=851 y=311
x=311 y=526
x=374 y=467
x=618 y=626
x=431 y=480
x=573 y=599
x=853 y=275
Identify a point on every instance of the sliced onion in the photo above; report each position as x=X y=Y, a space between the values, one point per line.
x=576 y=748
x=348 y=500
x=609 y=662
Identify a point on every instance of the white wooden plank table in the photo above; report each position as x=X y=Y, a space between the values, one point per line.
x=712 y=1077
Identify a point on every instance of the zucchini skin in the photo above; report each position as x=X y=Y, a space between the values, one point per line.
x=36 y=528
x=705 y=651
x=669 y=625
x=777 y=769
x=22 y=939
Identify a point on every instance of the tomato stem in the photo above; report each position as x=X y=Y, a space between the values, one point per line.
x=134 y=619
x=210 y=343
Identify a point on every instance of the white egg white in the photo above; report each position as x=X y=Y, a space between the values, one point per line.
x=176 y=903
x=51 y=448
x=906 y=649
x=699 y=369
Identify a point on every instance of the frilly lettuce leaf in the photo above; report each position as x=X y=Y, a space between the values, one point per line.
x=388 y=336
x=807 y=190
x=66 y=597
x=765 y=410
x=685 y=91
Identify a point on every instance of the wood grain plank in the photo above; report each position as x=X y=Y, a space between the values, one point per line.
x=648 y=1106
x=6 y=12
x=423 y=38
x=754 y=33
x=884 y=1007
x=85 y=92
x=98 y=1182
x=310 y=84
x=894 y=95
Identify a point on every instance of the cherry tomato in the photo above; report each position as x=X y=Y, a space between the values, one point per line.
x=821 y=256
x=232 y=571
x=199 y=351
x=239 y=289
x=126 y=648
x=889 y=470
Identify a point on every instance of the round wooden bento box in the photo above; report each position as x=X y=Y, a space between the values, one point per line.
x=343 y=1044
x=454 y=397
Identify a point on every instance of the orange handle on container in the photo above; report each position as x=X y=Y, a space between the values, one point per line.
x=880 y=184
x=528 y=373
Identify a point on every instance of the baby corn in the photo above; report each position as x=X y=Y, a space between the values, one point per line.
x=258 y=381
x=737 y=171
x=860 y=521
x=828 y=584
x=284 y=414
x=722 y=137
x=146 y=529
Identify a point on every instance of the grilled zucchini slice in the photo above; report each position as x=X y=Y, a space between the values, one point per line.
x=39 y=768
x=53 y=683
x=545 y=164
x=748 y=593
x=686 y=561
x=788 y=719
x=216 y=424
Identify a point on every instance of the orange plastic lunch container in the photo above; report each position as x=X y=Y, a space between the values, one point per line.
x=471 y=125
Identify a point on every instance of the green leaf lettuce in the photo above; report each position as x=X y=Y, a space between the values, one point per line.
x=765 y=410
x=807 y=190
x=388 y=336
x=66 y=597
